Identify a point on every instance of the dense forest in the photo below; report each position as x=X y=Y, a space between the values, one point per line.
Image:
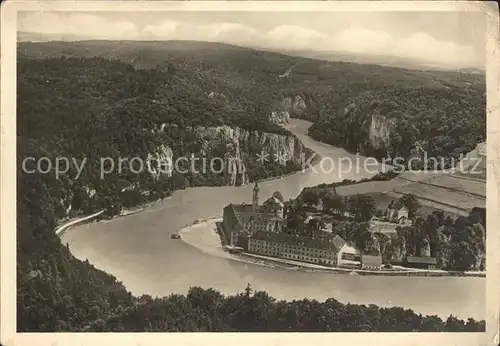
x=208 y=310
x=377 y=110
x=85 y=101
x=86 y=109
x=89 y=109
x=439 y=122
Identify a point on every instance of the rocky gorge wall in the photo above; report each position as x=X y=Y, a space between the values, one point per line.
x=237 y=149
x=234 y=146
x=375 y=121
x=287 y=107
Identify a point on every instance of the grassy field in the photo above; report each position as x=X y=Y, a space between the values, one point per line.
x=450 y=193
x=442 y=195
x=451 y=182
x=371 y=187
x=427 y=207
x=477 y=171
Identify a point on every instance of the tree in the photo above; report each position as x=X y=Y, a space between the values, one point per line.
x=333 y=202
x=294 y=220
x=383 y=242
x=361 y=236
x=454 y=324
x=462 y=256
x=478 y=242
x=388 y=253
x=410 y=201
x=248 y=290
x=314 y=225
x=310 y=197
x=362 y=206
x=478 y=215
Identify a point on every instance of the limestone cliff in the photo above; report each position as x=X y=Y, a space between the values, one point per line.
x=279 y=117
x=235 y=146
x=160 y=162
x=295 y=105
x=375 y=120
x=379 y=130
x=287 y=107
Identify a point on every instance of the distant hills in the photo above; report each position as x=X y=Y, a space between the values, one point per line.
x=94 y=99
x=373 y=59
x=367 y=107
x=383 y=60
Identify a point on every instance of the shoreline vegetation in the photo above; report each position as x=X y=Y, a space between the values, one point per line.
x=80 y=219
x=250 y=258
x=215 y=248
x=317 y=158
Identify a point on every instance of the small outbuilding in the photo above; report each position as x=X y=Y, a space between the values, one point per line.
x=419 y=262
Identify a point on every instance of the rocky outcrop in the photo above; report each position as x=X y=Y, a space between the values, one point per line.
x=377 y=124
x=224 y=141
x=295 y=105
x=67 y=200
x=279 y=117
x=225 y=151
x=218 y=96
x=287 y=107
x=233 y=146
x=373 y=128
x=160 y=162
x=380 y=129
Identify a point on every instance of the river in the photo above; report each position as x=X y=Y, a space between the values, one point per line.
x=138 y=250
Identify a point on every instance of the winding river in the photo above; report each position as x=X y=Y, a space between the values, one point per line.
x=138 y=250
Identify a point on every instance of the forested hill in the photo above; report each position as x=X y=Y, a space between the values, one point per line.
x=85 y=109
x=92 y=108
x=378 y=110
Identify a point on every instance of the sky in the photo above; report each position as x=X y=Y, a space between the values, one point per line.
x=448 y=39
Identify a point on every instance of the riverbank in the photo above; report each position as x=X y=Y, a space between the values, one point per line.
x=78 y=221
x=316 y=160
x=149 y=205
x=140 y=207
x=204 y=235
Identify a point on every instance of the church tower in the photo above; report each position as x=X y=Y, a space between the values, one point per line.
x=255 y=199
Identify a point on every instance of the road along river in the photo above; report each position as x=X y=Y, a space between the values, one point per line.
x=138 y=250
